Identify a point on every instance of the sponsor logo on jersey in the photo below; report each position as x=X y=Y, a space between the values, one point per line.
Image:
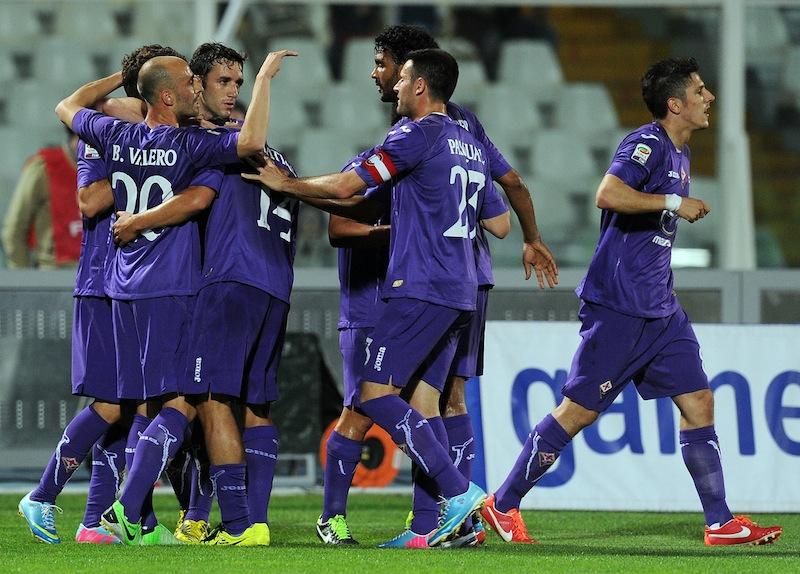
x=649 y=137
x=641 y=153
x=398 y=283
x=673 y=174
x=463 y=124
x=198 y=366
x=89 y=152
x=661 y=241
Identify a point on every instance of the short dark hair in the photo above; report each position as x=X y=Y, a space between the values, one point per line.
x=664 y=80
x=212 y=53
x=133 y=62
x=439 y=69
x=401 y=39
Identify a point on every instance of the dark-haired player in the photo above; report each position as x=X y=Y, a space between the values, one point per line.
x=633 y=327
x=438 y=169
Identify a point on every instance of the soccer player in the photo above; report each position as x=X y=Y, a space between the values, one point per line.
x=633 y=327
x=153 y=280
x=246 y=282
x=431 y=280
x=93 y=358
x=392 y=46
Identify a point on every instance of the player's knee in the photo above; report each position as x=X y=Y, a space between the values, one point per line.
x=353 y=425
x=109 y=412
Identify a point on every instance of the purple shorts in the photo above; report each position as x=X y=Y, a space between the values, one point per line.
x=468 y=361
x=661 y=356
x=352 y=343
x=236 y=343
x=94 y=361
x=413 y=338
x=151 y=337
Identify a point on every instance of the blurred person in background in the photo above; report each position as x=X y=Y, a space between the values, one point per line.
x=43 y=227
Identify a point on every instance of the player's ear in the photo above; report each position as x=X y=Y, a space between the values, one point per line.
x=167 y=97
x=419 y=86
x=674 y=105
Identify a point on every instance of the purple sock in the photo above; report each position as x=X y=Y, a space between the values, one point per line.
x=108 y=462
x=157 y=445
x=412 y=433
x=79 y=436
x=701 y=455
x=341 y=459
x=179 y=473
x=540 y=452
x=261 y=455
x=202 y=489
x=426 y=493
x=461 y=442
x=229 y=486
x=138 y=426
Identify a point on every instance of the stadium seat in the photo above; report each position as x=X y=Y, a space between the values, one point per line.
x=323 y=151
x=88 y=22
x=18 y=145
x=564 y=157
x=555 y=207
x=586 y=108
x=62 y=60
x=359 y=61
x=19 y=23
x=287 y=125
x=354 y=112
x=471 y=83
x=791 y=74
x=509 y=115
x=308 y=75
x=532 y=64
x=703 y=233
x=33 y=104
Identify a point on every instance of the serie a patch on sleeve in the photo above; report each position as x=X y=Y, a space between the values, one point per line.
x=89 y=152
x=641 y=153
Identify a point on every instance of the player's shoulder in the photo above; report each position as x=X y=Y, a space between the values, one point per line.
x=280 y=160
x=645 y=142
x=464 y=117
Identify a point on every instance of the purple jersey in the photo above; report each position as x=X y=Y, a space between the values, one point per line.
x=250 y=234
x=146 y=166
x=439 y=172
x=96 y=230
x=499 y=167
x=363 y=270
x=630 y=271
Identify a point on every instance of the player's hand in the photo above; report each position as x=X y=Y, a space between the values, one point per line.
x=124 y=229
x=272 y=63
x=270 y=176
x=692 y=209
x=536 y=255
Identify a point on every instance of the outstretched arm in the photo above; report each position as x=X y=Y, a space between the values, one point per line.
x=86 y=97
x=498 y=226
x=344 y=232
x=535 y=254
x=331 y=186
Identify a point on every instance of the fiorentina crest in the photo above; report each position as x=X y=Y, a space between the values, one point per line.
x=70 y=463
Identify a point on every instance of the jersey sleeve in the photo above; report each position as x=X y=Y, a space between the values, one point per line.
x=210 y=177
x=635 y=160
x=94 y=127
x=493 y=204
x=401 y=151
x=212 y=146
x=91 y=165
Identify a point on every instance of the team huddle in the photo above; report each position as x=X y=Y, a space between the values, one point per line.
x=185 y=276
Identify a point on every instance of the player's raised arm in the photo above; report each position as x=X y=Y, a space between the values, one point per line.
x=86 y=96
x=253 y=135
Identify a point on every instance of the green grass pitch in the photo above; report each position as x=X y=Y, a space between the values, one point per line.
x=629 y=542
